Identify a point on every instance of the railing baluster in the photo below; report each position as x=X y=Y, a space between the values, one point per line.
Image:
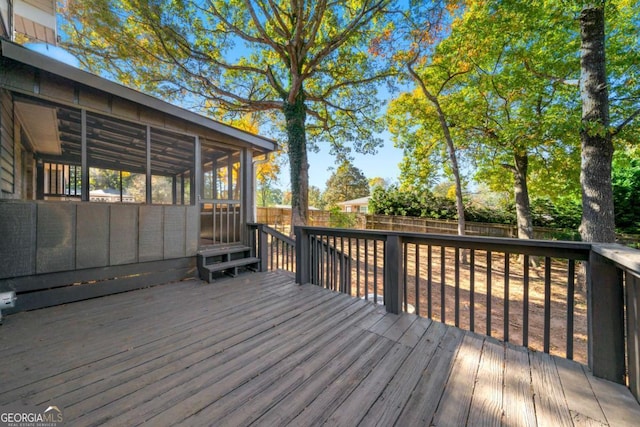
x=417 y=279
x=349 y=267
x=366 y=269
x=358 y=268
x=472 y=289
x=525 y=302
x=547 y=303
x=506 y=297
x=405 y=267
x=570 y=304
x=323 y=261
x=271 y=252
x=375 y=271
x=489 y=255
x=457 y=285
x=334 y=269
x=343 y=279
x=429 y=283
x=328 y=262
x=443 y=289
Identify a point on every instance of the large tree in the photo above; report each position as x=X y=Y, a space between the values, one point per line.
x=346 y=183
x=522 y=124
x=435 y=70
x=307 y=61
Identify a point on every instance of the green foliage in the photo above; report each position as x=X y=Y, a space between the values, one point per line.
x=626 y=191
x=563 y=214
x=346 y=183
x=339 y=219
x=315 y=197
x=394 y=201
x=494 y=215
x=268 y=196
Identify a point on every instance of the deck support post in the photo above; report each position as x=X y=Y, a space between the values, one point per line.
x=605 y=319
x=393 y=275
x=303 y=256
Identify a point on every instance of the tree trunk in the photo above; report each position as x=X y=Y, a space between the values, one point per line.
x=454 y=165
x=295 y=115
x=521 y=190
x=598 y=222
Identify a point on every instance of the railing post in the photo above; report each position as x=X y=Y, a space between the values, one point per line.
x=263 y=250
x=250 y=239
x=393 y=275
x=605 y=319
x=303 y=254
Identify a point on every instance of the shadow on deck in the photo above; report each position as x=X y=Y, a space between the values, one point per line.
x=259 y=348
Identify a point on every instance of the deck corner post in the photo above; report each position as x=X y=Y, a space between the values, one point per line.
x=303 y=254
x=393 y=274
x=605 y=319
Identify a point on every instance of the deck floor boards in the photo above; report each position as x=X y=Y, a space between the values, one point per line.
x=260 y=350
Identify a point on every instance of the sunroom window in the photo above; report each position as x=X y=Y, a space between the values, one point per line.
x=127 y=161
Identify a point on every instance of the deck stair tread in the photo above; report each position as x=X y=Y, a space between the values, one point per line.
x=223 y=250
x=219 y=266
x=227 y=259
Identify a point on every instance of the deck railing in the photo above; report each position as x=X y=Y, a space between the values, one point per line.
x=275 y=250
x=563 y=298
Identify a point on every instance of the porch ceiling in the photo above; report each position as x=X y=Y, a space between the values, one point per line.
x=115 y=144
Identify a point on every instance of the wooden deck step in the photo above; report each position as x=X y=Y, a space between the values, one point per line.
x=229 y=267
x=227 y=259
x=223 y=250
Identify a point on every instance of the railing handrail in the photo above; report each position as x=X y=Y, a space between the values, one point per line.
x=621 y=256
x=565 y=249
x=273 y=232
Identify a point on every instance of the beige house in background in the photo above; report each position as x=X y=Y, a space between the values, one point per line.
x=360 y=205
x=29 y=20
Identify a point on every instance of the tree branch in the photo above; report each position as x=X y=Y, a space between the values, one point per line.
x=570 y=82
x=625 y=122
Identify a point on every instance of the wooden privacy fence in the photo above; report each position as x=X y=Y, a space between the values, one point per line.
x=528 y=292
x=280 y=219
x=441 y=226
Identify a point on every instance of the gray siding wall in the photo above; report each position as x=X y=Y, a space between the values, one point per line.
x=41 y=237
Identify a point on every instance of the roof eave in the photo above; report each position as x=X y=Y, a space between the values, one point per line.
x=37 y=60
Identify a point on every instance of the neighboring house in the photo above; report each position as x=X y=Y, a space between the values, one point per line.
x=29 y=20
x=360 y=205
x=110 y=195
x=311 y=208
x=61 y=129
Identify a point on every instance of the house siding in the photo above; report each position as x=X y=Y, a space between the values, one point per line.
x=7 y=147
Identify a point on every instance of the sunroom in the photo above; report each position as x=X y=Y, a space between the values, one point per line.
x=105 y=189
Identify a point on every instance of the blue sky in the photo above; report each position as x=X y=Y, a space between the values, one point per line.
x=384 y=164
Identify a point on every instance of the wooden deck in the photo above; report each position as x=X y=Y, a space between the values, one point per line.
x=260 y=349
